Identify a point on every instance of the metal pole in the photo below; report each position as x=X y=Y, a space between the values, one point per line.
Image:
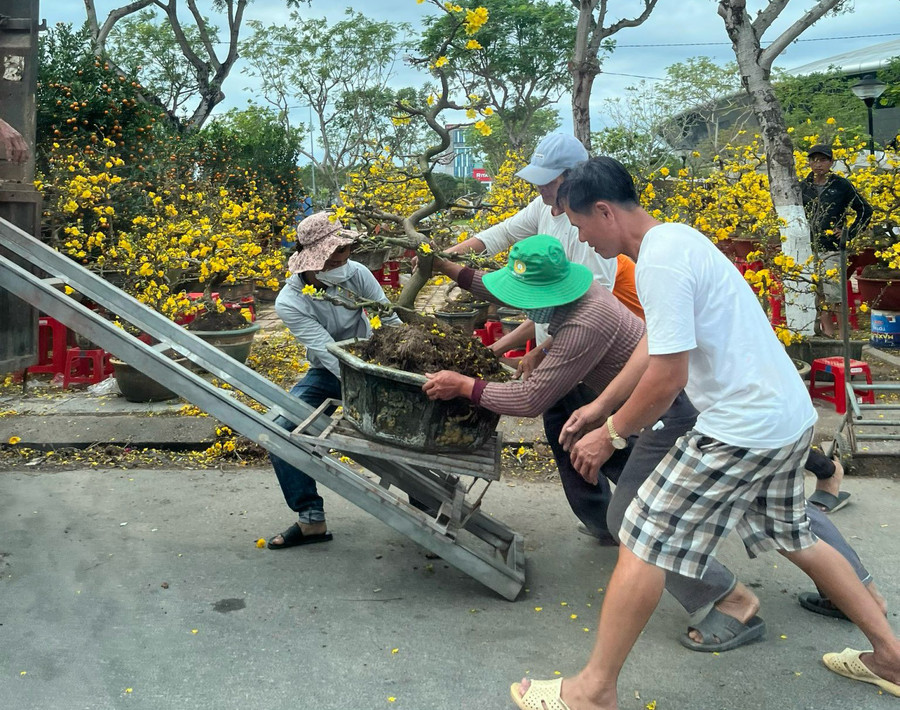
x=312 y=152
x=869 y=103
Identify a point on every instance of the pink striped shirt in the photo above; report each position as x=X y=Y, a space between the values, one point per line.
x=593 y=338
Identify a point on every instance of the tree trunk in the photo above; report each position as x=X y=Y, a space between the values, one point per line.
x=582 y=83
x=755 y=68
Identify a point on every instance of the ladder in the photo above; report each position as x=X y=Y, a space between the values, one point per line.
x=378 y=479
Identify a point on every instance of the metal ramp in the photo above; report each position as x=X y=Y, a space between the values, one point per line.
x=378 y=480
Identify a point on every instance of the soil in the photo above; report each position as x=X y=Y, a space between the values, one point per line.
x=230 y=319
x=457 y=307
x=874 y=271
x=430 y=347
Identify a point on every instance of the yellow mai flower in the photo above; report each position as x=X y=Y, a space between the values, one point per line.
x=261 y=542
x=483 y=128
x=475 y=19
x=473 y=44
x=425 y=248
x=830 y=121
x=13 y=440
x=487 y=111
x=308 y=290
x=375 y=322
x=470 y=113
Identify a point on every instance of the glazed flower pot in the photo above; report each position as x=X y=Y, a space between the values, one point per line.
x=135 y=386
x=464 y=320
x=388 y=405
x=236 y=291
x=236 y=343
x=881 y=294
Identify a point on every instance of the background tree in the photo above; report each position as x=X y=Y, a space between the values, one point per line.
x=196 y=39
x=755 y=66
x=518 y=64
x=494 y=147
x=339 y=72
x=592 y=34
x=707 y=99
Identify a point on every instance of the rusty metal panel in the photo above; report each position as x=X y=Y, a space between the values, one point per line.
x=19 y=202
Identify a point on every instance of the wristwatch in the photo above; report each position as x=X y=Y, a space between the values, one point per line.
x=617 y=441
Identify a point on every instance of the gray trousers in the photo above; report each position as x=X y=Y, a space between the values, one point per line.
x=646 y=451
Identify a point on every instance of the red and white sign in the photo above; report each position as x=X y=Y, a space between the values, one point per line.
x=481 y=175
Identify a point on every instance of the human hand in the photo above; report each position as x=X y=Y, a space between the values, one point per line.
x=580 y=422
x=590 y=453
x=529 y=363
x=446 y=385
x=13 y=143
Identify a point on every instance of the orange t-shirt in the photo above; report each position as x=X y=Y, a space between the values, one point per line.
x=625 y=289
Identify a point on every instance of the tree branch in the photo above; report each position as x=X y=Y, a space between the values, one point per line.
x=769 y=54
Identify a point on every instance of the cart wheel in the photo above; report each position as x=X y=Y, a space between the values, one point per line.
x=842 y=450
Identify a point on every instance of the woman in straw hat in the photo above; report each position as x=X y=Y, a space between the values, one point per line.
x=320 y=264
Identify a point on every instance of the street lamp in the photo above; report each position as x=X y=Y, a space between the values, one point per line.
x=869 y=89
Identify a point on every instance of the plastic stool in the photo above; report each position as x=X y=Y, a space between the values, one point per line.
x=89 y=366
x=388 y=274
x=836 y=392
x=53 y=339
x=491 y=333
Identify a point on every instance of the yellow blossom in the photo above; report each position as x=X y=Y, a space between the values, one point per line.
x=375 y=322
x=440 y=61
x=261 y=542
x=473 y=44
x=308 y=290
x=13 y=440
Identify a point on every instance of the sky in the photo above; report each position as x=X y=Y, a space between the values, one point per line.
x=676 y=30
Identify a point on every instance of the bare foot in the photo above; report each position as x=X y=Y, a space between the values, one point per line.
x=884 y=665
x=831 y=485
x=306 y=529
x=741 y=604
x=573 y=694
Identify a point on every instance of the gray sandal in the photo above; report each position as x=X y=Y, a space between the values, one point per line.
x=722 y=632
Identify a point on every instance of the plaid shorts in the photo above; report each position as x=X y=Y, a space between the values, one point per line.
x=704 y=488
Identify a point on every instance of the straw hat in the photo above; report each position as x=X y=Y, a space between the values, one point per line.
x=318 y=237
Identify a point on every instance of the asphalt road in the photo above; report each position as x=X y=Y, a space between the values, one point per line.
x=145 y=589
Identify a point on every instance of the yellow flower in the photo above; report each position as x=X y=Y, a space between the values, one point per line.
x=14 y=440
x=475 y=19
x=487 y=111
x=483 y=128
x=664 y=171
x=375 y=322
x=470 y=113
x=473 y=44
x=395 y=650
x=440 y=61
x=830 y=121
x=308 y=290
x=261 y=542
x=425 y=248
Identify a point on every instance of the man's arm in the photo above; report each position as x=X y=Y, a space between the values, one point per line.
x=863 y=212
x=590 y=416
x=664 y=378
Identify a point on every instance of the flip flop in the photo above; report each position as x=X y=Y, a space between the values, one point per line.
x=829 y=502
x=541 y=695
x=818 y=604
x=847 y=664
x=722 y=632
x=294 y=536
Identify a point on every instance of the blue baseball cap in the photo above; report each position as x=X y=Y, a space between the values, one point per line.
x=554 y=155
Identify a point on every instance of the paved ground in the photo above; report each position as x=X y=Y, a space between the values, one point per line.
x=144 y=589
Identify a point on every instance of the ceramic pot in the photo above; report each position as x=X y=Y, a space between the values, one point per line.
x=135 y=386
x=236 y=343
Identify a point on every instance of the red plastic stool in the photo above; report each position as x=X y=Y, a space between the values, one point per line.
x=491 y=333
x=388 y=274
x=53 y=340
x=86 y=366
x=836 y=392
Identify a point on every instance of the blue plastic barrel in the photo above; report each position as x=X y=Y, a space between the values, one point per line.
x=885 y=329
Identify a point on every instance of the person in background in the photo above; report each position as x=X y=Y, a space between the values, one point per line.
x=827 y=197
x=321 y=262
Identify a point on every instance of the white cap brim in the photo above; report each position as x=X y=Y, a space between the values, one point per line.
x=539 y=176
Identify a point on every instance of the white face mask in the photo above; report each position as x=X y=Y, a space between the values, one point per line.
x=335 y=276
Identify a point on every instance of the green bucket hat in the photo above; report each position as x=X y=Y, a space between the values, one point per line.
x=538 y=275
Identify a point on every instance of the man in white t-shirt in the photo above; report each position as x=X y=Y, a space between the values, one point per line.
x=740 y=467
